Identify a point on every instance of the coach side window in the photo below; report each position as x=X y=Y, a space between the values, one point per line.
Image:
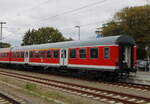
x=41 y=54
x=56 y=53
x=93 y=52
x=72 y=53
x=5 y=54
x=36 y=54
x=22 y=54
x=49 y=54
x=1 y=54
x=15 y=54
x=82 y=53
x=31 y=54
x=12 y=54
x=18 y=54
x=106 y=53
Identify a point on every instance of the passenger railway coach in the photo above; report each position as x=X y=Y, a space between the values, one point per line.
x=115 y=54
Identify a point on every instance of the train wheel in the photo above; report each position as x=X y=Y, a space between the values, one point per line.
x=124 y=76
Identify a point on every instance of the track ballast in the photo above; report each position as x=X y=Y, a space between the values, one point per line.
x=85 y=91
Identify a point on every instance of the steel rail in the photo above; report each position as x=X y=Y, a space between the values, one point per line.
x=5 y=99
x=132 y=99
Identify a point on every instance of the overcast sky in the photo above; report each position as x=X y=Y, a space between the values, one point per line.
x=21 y=15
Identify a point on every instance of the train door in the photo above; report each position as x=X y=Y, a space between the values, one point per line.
x=126 y=56
x=63 y=57
x=26 y=56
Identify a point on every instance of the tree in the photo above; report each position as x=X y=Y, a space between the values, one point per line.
x=4 y=45
x=132 y=21
x=43 y=35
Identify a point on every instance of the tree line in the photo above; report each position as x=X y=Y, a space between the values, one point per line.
x=132 y=21
x=43 y=35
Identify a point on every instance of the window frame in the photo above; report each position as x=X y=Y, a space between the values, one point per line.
x=17 y=54
x=75 y=53
x=36 y=53
x=2 y=54
x=54 y=54
x=97 y=52
x=51 y=53
x=43 y=54
x=108 y=53
x=31 y=54
x=5 y=55
x=85 y=53
x=22 y=54
x=12 y=54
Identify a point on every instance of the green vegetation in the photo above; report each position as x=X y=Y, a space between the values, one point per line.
x=43 y=35
x=47 y=93
x=55 y=95
x=52 y=95
x=132 y=21
x=4 y=45
x=30 y=86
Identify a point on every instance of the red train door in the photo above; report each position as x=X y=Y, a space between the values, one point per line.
x=64 y=57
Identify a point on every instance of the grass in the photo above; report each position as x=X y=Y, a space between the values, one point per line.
x=31 y=86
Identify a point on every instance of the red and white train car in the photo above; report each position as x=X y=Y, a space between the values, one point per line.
x=109 y=54
x=5 y=55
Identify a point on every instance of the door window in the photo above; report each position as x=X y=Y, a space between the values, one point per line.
x=64 y=53
x=26 y=54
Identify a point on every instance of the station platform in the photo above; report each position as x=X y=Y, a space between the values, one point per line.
x=140 y=78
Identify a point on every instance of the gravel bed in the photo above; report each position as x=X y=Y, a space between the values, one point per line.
x=63 y=97
x=122 y=89
x=22 y=94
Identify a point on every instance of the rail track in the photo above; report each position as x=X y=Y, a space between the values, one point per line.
x=128 y=85
x=90 y=92
x=7 y=100
x=124 y=84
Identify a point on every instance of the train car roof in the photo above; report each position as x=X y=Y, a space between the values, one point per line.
x=4 y=49
x=110 y=40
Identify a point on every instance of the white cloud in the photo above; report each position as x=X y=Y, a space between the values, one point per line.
x=21 y=15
